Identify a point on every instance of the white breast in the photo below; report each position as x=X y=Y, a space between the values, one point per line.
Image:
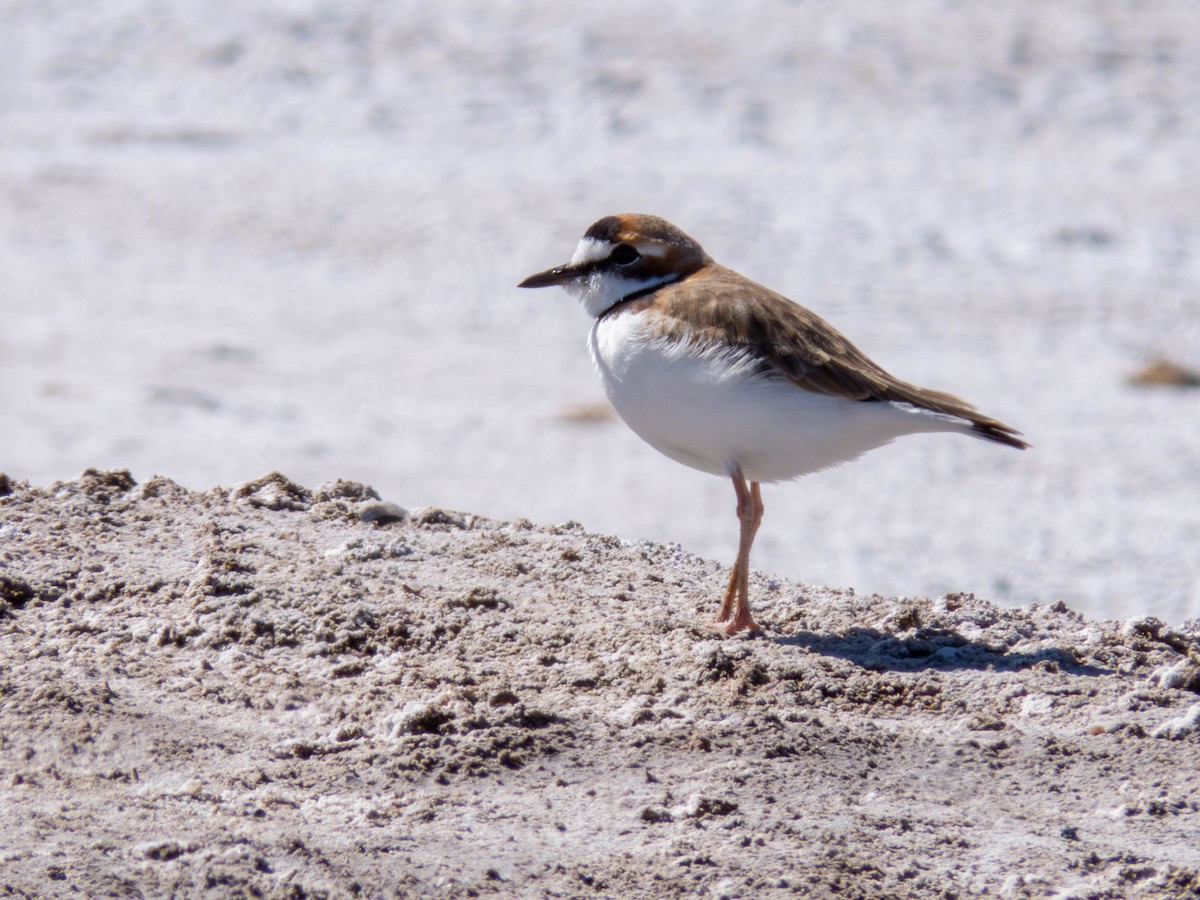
x=703 y=407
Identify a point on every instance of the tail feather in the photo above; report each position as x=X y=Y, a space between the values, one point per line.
x=949 y=405
x=991 y=430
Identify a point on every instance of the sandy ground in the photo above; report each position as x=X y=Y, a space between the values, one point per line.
x=256 y=692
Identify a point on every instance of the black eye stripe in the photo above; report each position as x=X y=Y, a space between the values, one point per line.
x=622 y=256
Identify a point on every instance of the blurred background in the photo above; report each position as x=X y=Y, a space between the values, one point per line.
x=285 y=235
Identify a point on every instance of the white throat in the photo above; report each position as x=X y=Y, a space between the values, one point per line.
x=600 y=290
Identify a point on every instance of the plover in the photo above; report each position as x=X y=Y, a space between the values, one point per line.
x=729 y=377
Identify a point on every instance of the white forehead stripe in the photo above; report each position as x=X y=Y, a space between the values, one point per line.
x=591 y=250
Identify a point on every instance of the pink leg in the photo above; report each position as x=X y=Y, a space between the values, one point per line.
x=734 y=615
x=735 y=575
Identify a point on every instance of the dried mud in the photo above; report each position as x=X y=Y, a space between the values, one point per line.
x=255 y=692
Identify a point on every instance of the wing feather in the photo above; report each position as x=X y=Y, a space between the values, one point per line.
x=717 y=305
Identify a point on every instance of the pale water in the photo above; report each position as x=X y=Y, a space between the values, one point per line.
x=237 y=237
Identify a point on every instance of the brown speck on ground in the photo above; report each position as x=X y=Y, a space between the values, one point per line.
x=588 y=413
x=1163 y=372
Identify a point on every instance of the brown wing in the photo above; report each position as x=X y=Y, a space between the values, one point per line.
x=716 y=304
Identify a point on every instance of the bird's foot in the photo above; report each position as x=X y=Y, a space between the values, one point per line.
x=743 y=621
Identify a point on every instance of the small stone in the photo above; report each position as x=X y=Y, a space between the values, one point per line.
x=697 y=805
x=273 y=491
x=1183 y=675
x=161 y=851
x=381 y=512
x=656 y=815
x=1179 y=728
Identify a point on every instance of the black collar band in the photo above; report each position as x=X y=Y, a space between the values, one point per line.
x=629 y=298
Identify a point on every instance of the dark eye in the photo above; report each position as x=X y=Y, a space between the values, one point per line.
x=623 y=255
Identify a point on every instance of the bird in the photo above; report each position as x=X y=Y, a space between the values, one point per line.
x=731 y=378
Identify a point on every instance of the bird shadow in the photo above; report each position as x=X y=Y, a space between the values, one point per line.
x=932 y=648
